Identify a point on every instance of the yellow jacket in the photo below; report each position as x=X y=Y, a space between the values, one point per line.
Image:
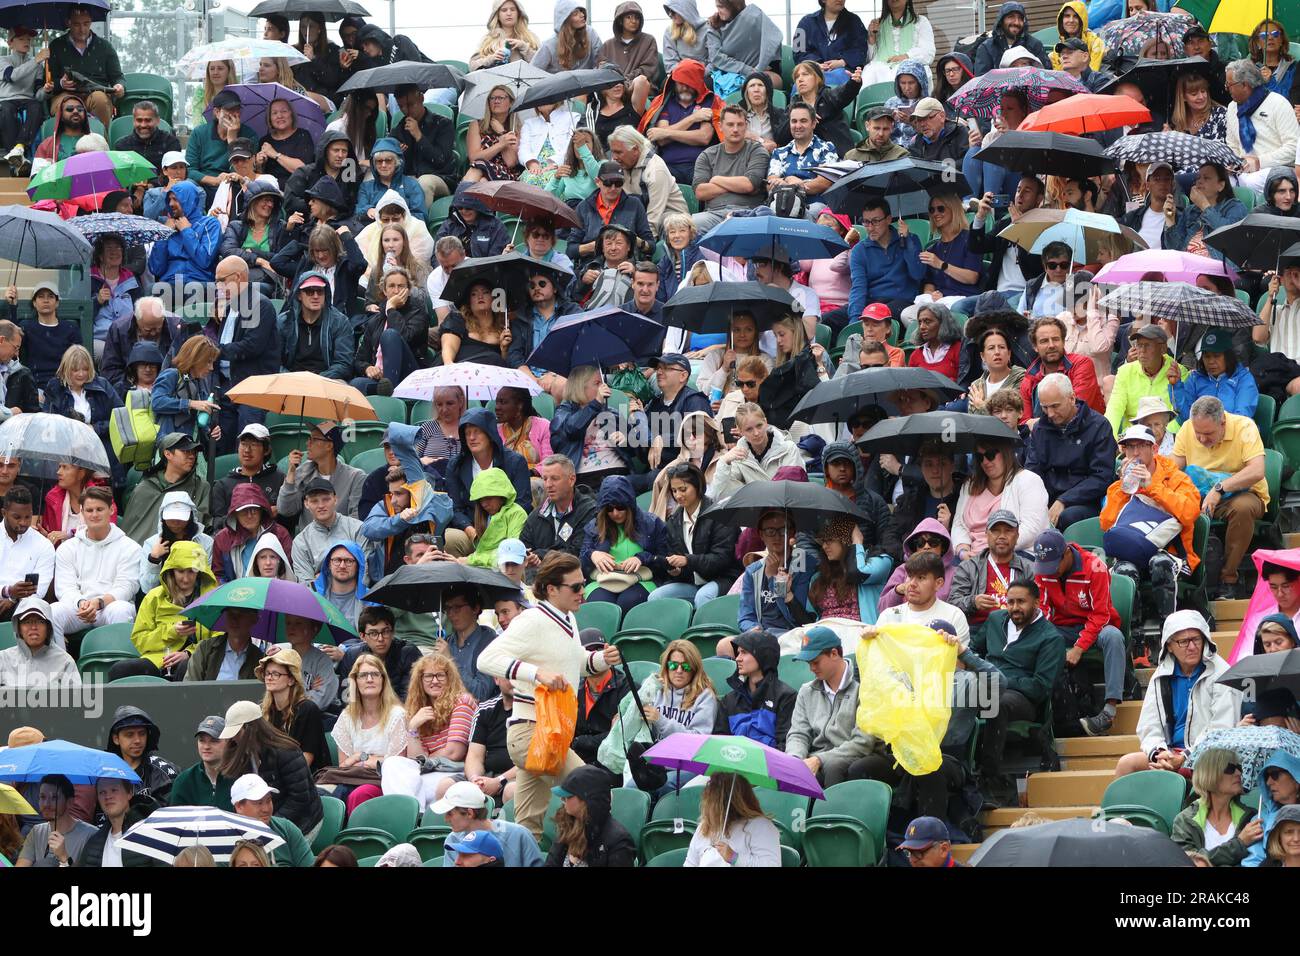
x=1096 y=48
x=154 y=633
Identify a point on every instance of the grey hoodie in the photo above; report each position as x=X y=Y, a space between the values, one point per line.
x=269 y=542
x=18 y=73
x=749 y=41
x=673 y=719
x=674 y=51
x=149 y=571
x=548 y=57
x=828 y=728
x=47 y=666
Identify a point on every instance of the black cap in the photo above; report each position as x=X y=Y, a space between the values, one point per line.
x=241 y=148
x=1197 y=32
x=226 y=99
x=318 y=484
x=178 y=441
x=591 y=638
x=610 y=170
x=1072 y=43
x=618 y=227
x=880 y=112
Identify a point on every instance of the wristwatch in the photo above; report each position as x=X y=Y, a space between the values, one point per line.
x=1218 y=487
x=943 y=267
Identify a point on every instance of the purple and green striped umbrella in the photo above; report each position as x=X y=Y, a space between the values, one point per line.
x=981 y=95
x=761 y=765
x=87 y=174
x=272 y=599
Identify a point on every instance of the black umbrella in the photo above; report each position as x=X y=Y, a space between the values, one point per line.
x=418 y=588
x=958 y=432
x=808 y=505
x=708 y=308
x=1261 y=672
x=907 y=183
x=47 y=15
x=386 y=79
x=1256 y=242
x=41 y=239
x=1055 y=154
x=1290 y=257
x=508 y=272
x=565 y=86
x=1080 y=841
x=327 y=9
x=840 y=398
x=1157 y=79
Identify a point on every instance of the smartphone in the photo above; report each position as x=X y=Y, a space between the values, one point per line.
x=729 y=428
x=32 y=579
x=1001 y=200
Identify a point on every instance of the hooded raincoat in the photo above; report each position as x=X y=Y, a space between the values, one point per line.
x=608 y=842
x=460 y=470
x=890 y=597
x=989 y=53
x=234 y=548
x=676 y=50
x=1268 y=807
x=332 y=328
x=649 y=540
x=156 y=773
x=508 y=522
x=384 y=525
x=189 y=254
x=154 y=634
x=1096 y=48
x=372 y=189
x=150 y=569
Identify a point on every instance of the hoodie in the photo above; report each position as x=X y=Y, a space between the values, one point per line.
x=1268 y=807
x=649 y=534
x=295 y=190
x=189 y=254
x=372 y=189
x=149 y=569
x=1096 y=46
x=84 y=568
x=269 y=480
x=608 y=842
x=417 y=233
x=47 y=666
x=763 y=714
x=147 y=499
x=271 y=541
x=879 y=531
x=332 y=331
x=989 y=53
x=1276 y=175
x=432 y=508
x=234 y=548
x=460 y=469
x=689 y=73
x=674 y=51
x=349 y=605
x=748 y=41
x=942 y=88
x=1209 y=705
x=154 y=634
x=506 y=523
x=638 y=58
x=674 y=718
x=903 y=132
x=156 y=773
x=890 y=596
x=548 y=57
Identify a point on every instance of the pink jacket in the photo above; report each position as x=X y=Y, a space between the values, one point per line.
x=829 y=279
x=539 y=436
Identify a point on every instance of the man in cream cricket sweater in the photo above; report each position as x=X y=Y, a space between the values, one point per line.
x=541 y=646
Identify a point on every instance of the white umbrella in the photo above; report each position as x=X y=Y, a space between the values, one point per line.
x=519 y=76
x=245 y=51
x=167 y=831
x=479 y=382
x=44 y=441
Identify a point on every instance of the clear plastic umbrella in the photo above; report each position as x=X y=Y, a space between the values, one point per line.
x=43 y=442
x=245 y=51
x=518 y=76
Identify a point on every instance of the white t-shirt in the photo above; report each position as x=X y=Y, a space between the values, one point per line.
x=942 y=610
x=1011 y=279
x=1153 y=227
x=1214 y=838
x=81 y=405
x=112 y=852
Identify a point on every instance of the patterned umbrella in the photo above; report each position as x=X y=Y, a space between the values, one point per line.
x=133 y=230
x=980 y=96
x=1242 y=16
x=247 y=52
x=167 y=831
x=480 y=382
x=761 y=765
x=257 y=97
x=1179 y=150
x=1252 y=745
x=1181 y=302
x=1131 y=34
x=89 y=173
x=1175 y=266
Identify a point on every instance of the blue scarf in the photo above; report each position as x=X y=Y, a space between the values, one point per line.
x=1245 y=125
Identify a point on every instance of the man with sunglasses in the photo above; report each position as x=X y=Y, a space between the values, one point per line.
x=1184 y=700
x=546 y=307
x=315 y=336
x=70 y=124
x=539 y=243
x=1061 y=287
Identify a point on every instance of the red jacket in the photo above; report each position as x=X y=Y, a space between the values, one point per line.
x=1082 y=374
x=1081 y=599
x=52 y=514
x=945 y=366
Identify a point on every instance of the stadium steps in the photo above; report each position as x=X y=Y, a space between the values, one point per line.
x=1068 y=788
x=1126 y=717
x=13 y=192
x=961 y=852
x=1291 y=540
x=1095 y=753
x=1001 y=819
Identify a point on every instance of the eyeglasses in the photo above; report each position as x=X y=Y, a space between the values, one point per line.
x=913 y=854
x=1268 y=34
x=927 y=541
x=774 y=532
x=679 y=666
x=433 y=678
x=499 y=98
x=988 y=454
x=539 y=283
x=1232 y=768
x=276 y=674
x=1057 y=265
x=370 y=675
x=1187 y=641
x=875 y=220
x=342 y=560
x=747 y=383
x=379 y=632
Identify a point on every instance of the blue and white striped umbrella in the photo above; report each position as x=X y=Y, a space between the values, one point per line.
x=166 y=832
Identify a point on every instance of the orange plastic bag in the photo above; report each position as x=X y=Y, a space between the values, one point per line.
x=557 y=718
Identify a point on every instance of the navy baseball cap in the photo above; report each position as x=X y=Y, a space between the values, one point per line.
x=923 y=833
x=1048 y=551
x=817 y=640
x=675 y=359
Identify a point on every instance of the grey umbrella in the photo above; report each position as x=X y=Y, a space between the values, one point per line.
x=1181 y=302
x=1080 y=842
x=41 y=239
x=44 y=441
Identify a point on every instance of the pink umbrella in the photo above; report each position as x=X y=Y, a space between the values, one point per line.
x=1174 y=265
x=1262 y=602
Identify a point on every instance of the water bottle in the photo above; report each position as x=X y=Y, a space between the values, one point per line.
x=1129 y=482
x=204 y=417
x=715 y=394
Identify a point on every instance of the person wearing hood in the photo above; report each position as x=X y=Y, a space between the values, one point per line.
x=497 y=515
x=134 y=737
x=335 y=159
x=684 y=35
x=1218 y=823
x=393 y=211
x=911 y=85
x=470 y=221
x=845 y=474
x=177 y=471
x=1280 y=193
x=481 y=449
x=836 y=40
x=143 y=367
x=773 y=595
x=953 y=70
x=760 y=705
x=95 y=571
x=1279 y=787
x=1184 y=699
x=270 y=559
x=341 y=579
x=315 y=336
x=189 y=254
x=163 y=637
x=259 y=233
x=620 y=546
x=206 y=152
x=256 y=467
x=929 y=536
x=575 y=46
x=1010 y=30
x=387 y=174
x=249 y=519
x=113 y=286
x=586 y=832
x=740 y=39
x=412 y=505
x=178 y=520
x=1072 y=24
x=683 y=119
x=324 y=449
x=1277 y=633
x=631 y=51
x=21 y=114
x=35 y=660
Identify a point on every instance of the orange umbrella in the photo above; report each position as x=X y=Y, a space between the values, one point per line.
x=304 y=394
x=1086 y=113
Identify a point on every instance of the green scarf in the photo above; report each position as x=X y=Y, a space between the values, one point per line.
x=885 y=41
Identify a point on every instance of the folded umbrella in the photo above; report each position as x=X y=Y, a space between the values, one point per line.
x=42 y=442
x=809 y=506
x=751 y=237
x=1175 y=266
x=508 y=272
x=304 y=394
x=37 y=238
x=1254 y=747
x=168 y=830
x=839 y=399
x=246 y=53
x=603 y=337
x=271 y=598
x=981 y=95
x=1086 y=113
x=1181 y=302
x=761 y=765
x=1053 y=154
x=133 y=230
x=479 y=382
x=419 y=588
x=327 y=9
x=709 y=308
x=1130 y=35
x=529 y=203
x=517 y=76
x=387 y=78
x=907 y=183
x=1179 y=150
x=1081 y=231
x=1080 y=841
x=958 y=432
x=565 y=86
x=1256 y=242
x=88 y=173
x=81 y=765
x=257 y=97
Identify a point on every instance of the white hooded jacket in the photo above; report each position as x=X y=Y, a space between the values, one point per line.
x=149 y=571
x=47 y=666
x=730 y=476
x=89 y=569
x=417 y=235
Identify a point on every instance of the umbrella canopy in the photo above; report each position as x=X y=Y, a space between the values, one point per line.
x=1242 y=16
x=1290 y=257
x=1252 y=745
x=168 y=830
x=759 y=236
x=479 y=382
x=11 y=801
x=1086 y=113
x=418 y=588
x=517 y=76
x=603 y=337
x=81 y=765
x=1179 y=150
x=387 y=78
x=761 y=765
x=508 y=272
x=1131 y=34
x=246 y=52
x=1080 y=841
x=87 y=173
x=1261 y=672
x=839 y=399
x=305 y=394
x=1175 y=266
x=133 y=230
x=907 y=183
x=47 y=15
x=1181 y=302
x=1056 y=154
x=327 y=9
x=810 y=506
x=1256 y=242
x=1081 y=231
x=43 y=442
x=272 y=598
x=1158 y=79
x=41 y=239
x=958 y=432
x=257 y=97
x=709 y=308
x=565 y=86
x=981 y=95
x=527 y=202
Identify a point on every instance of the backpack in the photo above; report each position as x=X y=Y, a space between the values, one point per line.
x=789 y=201
x=133 y=430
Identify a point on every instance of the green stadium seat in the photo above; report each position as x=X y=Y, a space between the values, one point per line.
x=387 y=409
x=1086 y=534
x=366 y=844
x=602 y=615
x=1286 y=439
x=544 y=405
x=865 y=801
x=1290 y=410
x=719 y=670
x=834 y=841
x=787 y=66
x=370 y=862
x=1246 y=196
x=640 y=644
x=394 y=814
x=429 y=841
x=364 y=437
x=438 y=213
x=921 y=229
x=1265 y=412
x=335 y=809
x=7 y=638
x=140 y=679
x=789 y=811
x=644 y=499
x=692 y=204
x=1148 y=798
x=669 y=616
x=369 y=460
x=641 y=670
x=662 y=836
x=794 y=672
x=419 y=412
x=458 y=64
x=225 y=464
x=683 y=803
x=631 y=808
x=109 y=638
x=95 y=127
x=669 y=858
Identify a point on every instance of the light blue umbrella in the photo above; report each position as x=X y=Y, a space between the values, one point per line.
x=1252 y=745
x=759 y=236
x=81 y=765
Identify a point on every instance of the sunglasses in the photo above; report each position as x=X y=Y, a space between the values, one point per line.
x=617 y=508
x=988 y=454
x=927 y=541
x=938 y=209
x=679 y=666
x=575 y=588
x=612 y=184
x=1057 y=265
x=1268 y=34
x=539 y=283
x=746 y=383
x=1232 y=768
x=1273 y=773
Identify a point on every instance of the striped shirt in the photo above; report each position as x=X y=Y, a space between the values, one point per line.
x=457 y=730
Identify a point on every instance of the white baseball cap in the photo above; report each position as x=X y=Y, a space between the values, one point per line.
x=177 y=512
x=250 y=787
x=256 y=430
x=172 y=157
x=1138 y=433
x=461 y=796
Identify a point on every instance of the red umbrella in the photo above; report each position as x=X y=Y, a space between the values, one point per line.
x=526 y=202
x=1086 y=113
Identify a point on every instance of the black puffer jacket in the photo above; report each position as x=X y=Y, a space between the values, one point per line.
x=712 y=555
x=608 y=842
x=156 y=773
x=298 y=801
x=92 y=854
x=594 y=723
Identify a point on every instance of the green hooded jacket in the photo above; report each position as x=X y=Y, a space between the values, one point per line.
x=506 y=523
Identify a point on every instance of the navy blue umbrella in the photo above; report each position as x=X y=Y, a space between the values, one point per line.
x=603 y=337
x=753 y=237
x=49 y=16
